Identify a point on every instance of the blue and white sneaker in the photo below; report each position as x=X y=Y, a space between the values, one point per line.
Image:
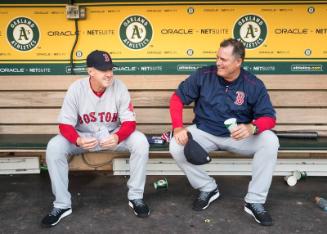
x=55 y=215
x=139 y=207
x=259 y=213
x=204 y=199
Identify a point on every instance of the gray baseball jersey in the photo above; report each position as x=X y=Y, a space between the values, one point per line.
x=92 y=115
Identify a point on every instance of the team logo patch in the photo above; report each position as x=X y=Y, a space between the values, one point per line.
x=23 y=34
x=135 y=32
x=239 y=98
x=106 y=57
x=130 y=107
x=251 y=30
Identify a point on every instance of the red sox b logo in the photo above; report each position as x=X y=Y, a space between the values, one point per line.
x=239 y=98
x=106 y=58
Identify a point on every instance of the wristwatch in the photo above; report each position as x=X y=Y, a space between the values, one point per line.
x=254 y=129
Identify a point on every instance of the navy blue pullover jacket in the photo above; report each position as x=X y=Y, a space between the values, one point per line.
x=216 y=100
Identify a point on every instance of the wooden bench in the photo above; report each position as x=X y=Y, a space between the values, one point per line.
x=29 y=106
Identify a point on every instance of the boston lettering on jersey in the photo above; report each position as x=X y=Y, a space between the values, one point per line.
x=98 y=117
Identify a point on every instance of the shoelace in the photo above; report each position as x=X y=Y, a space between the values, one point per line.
x=55 y=211
x=203 y=196
x=139 y=202
x=258 y=208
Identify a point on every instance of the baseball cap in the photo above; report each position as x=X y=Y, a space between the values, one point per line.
x=100 y=60
x=194 y=152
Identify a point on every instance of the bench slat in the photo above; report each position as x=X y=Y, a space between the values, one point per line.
x=162 y=82
x=159 y=116
x=55 y=99
x=155 y=98
x=150 y=129
x=41 y=141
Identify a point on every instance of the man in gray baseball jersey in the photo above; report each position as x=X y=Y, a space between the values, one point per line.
x=97 y=114
x=220 y=92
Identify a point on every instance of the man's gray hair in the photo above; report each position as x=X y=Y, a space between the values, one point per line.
x=238 y=47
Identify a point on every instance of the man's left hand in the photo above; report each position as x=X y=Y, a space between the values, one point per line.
x=242 y=131
x=109 y=142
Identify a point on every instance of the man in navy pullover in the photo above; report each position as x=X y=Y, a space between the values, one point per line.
x=221 y=92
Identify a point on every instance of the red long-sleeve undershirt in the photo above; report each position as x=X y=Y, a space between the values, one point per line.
x=176 y=114
x=176 y=111
x=264 y=123
x=69 y=132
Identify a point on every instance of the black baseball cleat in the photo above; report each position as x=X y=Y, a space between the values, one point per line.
x=55 y=215
x=259 y=213
x=139 y=207
x=204 y=199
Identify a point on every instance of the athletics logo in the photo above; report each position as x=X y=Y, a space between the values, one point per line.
x=251 y=30
x=23 y=34
x=135 y=32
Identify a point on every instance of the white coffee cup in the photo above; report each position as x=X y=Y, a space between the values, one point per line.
x=290 y=180
x=230 y=124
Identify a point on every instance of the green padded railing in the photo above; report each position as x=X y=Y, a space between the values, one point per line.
x=39 y=142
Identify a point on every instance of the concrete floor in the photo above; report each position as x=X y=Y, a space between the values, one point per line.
x=100 y=206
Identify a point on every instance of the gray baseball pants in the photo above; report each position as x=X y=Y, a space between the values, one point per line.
x=263 y=147
x=59 y=149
